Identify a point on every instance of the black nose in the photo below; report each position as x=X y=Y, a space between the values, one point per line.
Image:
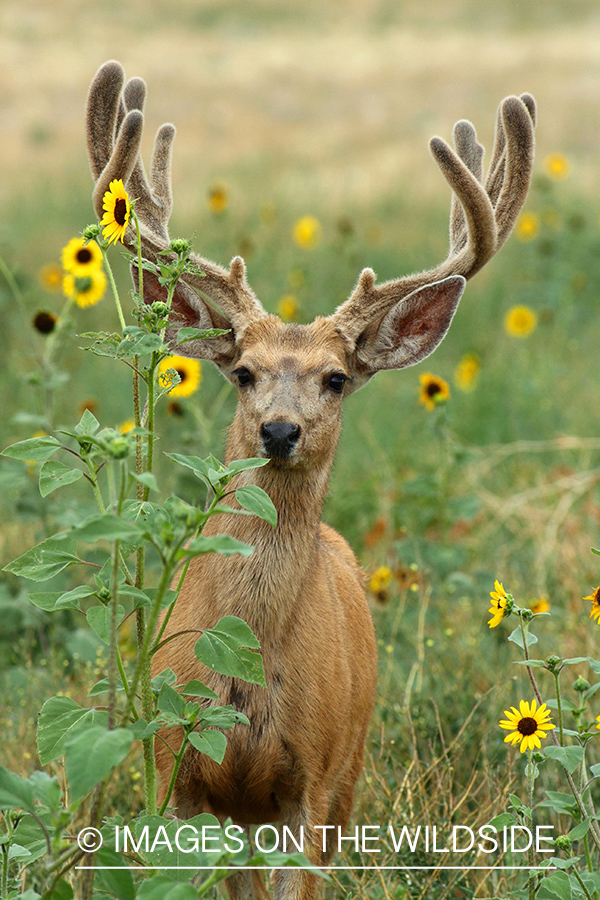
x=279 y=438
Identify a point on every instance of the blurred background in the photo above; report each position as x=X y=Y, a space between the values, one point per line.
x=323 y=109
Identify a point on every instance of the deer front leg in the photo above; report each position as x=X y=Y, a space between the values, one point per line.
x=301 y=884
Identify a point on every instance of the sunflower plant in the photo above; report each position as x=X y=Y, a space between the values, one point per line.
x=99 y=568
x=564 y=744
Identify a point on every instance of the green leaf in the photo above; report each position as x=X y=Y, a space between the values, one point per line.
x=195 y=688
x=46 y=788
x=105 y=748
x=138 y=342
x=161 y=887
x=148 y=480
x=34 y=449
x=555 y=887
x=47 y=559
x=88 y=424
x=595 y=770
x=108 y=528
x=243 y=465
x=224 y=717
x=99 y=620
x=141 y=729
x=223 y=649
x=102 y=686
x=59 y=719
x=575 y=660
x=257 y=501
x=192 y=334
x=580 y=830
x=55 y=474
x=195 y=463
x=171 y=702
x=15 y=792
x=503 y=820
x=569 y=757
x=211 y=743
x=517 y=638
x=53 y=600
x=105 y=343
x=113 y=874
x=531 y=663
x=218 y=543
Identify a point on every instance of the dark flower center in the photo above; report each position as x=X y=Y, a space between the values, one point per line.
x=84 y=255
x=432 y=389
x=120 y=212
x=44 y=322
x=527 y=726
x=182 y=374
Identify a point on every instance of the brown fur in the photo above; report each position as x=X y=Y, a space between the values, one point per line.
x=302 y=590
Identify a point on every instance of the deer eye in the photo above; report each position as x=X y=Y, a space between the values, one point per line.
x=337 y=381
x=244 y=377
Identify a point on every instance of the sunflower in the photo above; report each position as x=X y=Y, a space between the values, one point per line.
x=520 y=321
x=499 y=604
x=467 y=371
x=44 y=322
x=50 y=277
x=189 y=371
x=218 y=197
x=117 y=212
x=287 y=308
x=527 y=725
x=380 y=579
x=85 y=291
x=307 y=232
x=595 y=610
x=434 y=390
x=80 y=258
x=127 y=426
x=527 y=227
x=557 y=166
x=540 y=606
x=598 y=721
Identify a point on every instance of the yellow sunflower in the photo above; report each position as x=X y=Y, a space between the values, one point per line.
x=595 y=610
x=527 y=227
x=434 y=390
x=467 y=372
x=527 y=725
x=307 y=232
x=380 y=579
x=218 y=197
x=117 y=212
x=598 y=721
x=540 y=606
x=499 y=603
x=189 y=371
x=557 y=166
x=50 y=277
x=288 y=308
x=85 y=291
x=80 y=258
x=520 y=321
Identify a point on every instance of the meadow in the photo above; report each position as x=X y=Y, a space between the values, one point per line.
x=325 y=110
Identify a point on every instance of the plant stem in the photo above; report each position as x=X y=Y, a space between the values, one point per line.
x=176 y=767
x=581 y=884
x=112 y=660
x=530 y=783
x=113 y=285
x=561 y=740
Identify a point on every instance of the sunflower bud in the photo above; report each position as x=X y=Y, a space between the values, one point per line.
x=92 y=232
x=581 y=685
x=118 y=447
x=180 y=246
x=104 y=595
x=159 y=308
x=563 y=842
x=553 y=663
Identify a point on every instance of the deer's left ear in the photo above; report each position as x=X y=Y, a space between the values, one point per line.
x=412 y=329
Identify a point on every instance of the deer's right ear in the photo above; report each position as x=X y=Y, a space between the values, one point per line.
x=191 y=311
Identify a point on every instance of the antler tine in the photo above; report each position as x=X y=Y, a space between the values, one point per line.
x=115 y=123
x=471 y=153
x=482 y=215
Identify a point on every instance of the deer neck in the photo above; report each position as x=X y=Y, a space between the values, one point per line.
x=264 y=588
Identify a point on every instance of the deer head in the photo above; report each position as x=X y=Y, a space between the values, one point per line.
x=292 y=378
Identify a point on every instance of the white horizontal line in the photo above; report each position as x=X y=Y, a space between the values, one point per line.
x=296 y=868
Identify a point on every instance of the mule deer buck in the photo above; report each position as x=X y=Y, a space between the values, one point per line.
x=302 y=589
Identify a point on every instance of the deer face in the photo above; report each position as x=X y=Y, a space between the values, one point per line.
x=291 y=381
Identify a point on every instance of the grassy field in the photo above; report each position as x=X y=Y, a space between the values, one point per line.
x=326 y=109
